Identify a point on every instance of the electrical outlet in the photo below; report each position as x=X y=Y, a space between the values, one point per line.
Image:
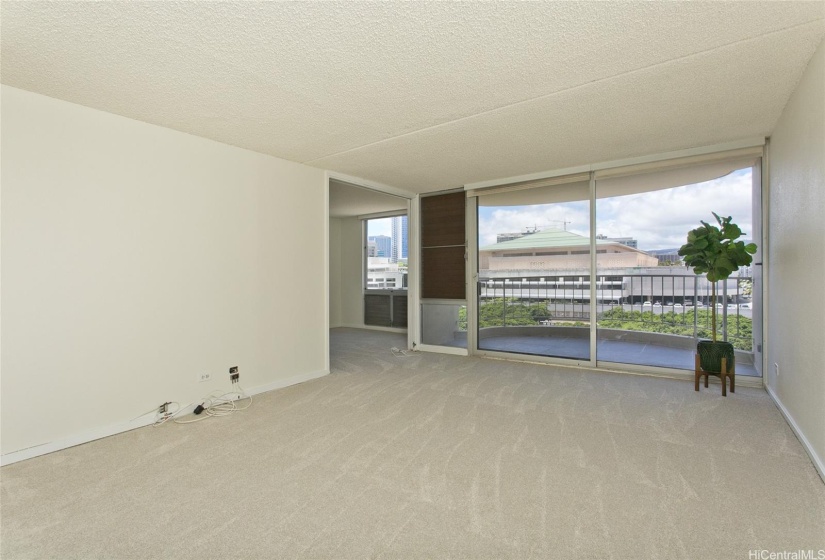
x=204 y=377
x=776 y=368
x=234 y=374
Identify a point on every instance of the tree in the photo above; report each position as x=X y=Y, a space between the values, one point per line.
x=740 y=330
x=509 y=312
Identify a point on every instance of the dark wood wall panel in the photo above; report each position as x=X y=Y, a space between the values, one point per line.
x=442 y=273
x=442 y=220
x=443 y=241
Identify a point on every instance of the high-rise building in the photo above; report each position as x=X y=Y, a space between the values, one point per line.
x=383 y=245
x=404 y=230
x=399 y=239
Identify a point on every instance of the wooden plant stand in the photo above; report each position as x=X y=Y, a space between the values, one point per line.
x=723 y=376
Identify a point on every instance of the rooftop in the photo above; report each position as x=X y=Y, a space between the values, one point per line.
x=550 y=237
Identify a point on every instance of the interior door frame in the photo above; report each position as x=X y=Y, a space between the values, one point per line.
x=412 y=265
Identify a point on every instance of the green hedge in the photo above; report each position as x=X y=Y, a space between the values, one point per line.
x=494 y=314
x=740 y=329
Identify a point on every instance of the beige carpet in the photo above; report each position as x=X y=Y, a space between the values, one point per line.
x=433 y=456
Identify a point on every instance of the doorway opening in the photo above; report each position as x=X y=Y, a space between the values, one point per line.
x=354 y=275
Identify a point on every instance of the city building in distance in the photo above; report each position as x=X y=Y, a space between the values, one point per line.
x=554 y=249
x=383 y=245
x=398 y=250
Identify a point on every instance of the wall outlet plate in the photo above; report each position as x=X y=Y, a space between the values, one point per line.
x=204 y=377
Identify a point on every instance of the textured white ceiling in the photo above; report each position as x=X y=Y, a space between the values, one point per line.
x=424 y=95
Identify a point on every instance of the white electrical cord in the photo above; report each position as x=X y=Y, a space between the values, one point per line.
x=214 y=404
x=217 y=404
x=398 y=353
x=168 y=415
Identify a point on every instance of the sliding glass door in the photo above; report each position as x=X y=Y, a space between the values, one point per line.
x=533 y=288
x=651 y=308
x=553 y=281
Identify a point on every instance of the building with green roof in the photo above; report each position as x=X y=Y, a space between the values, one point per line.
x=554 y=249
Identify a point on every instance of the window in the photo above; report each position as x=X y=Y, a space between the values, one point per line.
x=659 y=299
x=386 y=253
x=642 y=215
x=385 y=271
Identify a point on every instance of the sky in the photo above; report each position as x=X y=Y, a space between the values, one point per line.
x=380 y=226
x=658 y=219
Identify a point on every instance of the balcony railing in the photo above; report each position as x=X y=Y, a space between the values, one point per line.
x=676 y=304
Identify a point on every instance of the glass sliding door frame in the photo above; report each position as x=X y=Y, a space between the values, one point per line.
x=593 y=361
x=671 y=352
x=471 y=221
x=593 y=256
x=758 y=295
x=474 y=289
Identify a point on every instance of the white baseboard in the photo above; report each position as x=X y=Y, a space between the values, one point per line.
x=77 y=439
x=281 y=383
x=373 y=328
x=815 y=459
x=454 y=350
x=146 y=420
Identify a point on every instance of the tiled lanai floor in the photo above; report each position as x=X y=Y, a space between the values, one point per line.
x=617 y=351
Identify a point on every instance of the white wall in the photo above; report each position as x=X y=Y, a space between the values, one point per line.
x=334 y=272
x=136 y=257
x=796 y=257
x=352 y=287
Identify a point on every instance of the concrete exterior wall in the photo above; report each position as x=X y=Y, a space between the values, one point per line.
x=566 y=262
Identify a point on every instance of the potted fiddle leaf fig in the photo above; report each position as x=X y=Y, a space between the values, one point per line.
x=715 y=251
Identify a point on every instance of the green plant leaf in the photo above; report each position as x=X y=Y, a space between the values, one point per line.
x=732 y=231
x=714 y=251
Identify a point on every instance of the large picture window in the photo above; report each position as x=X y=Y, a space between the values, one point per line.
x=586 y=266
